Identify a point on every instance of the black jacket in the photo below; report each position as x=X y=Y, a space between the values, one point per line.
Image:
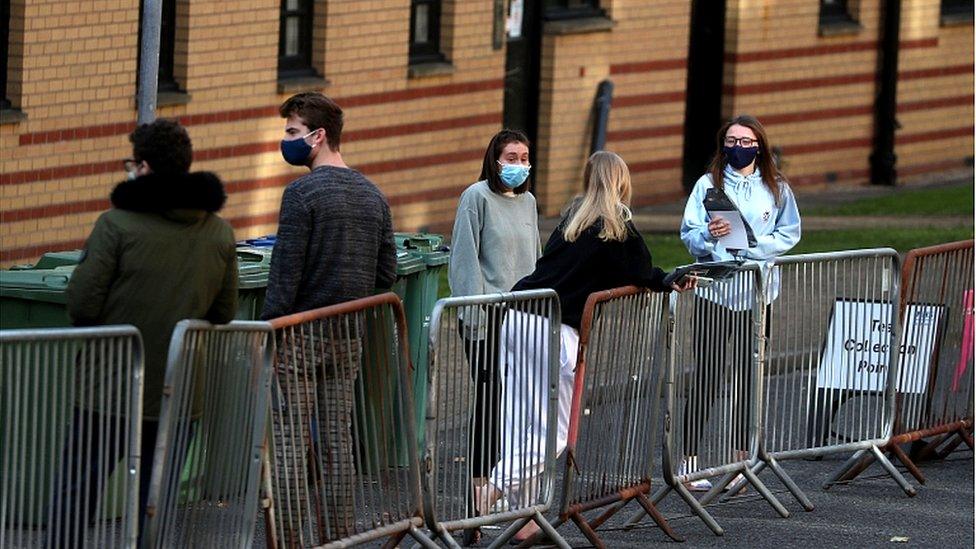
x=577 y=269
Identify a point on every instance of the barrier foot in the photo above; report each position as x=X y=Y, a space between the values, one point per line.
x=905 y=485
x=596 y=523
x=954 y=442
x=445 y=536
x=928 y=452
x=765 y=493
x=697 y=508
x=858 y=459
x=734 y=489
x=967 y=438
x=717 y=488
x=554 y=536
x=423 y=539
x=658 y=518
x=509 y=533
x=588 y=532
x=540 y=536
x=394 y=541
x=655 y=499
x=548 y=531
x=787 y=481
x=907 y=462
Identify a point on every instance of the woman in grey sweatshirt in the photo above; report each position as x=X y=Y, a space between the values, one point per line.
x=494 y=244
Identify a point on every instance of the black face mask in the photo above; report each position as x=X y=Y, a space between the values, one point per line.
x=740 y=157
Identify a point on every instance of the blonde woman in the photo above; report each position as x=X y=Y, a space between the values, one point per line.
x=596 y=247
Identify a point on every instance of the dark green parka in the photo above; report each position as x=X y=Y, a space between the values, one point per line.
x=159 y=256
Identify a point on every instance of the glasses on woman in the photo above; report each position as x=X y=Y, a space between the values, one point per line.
x=743 y=141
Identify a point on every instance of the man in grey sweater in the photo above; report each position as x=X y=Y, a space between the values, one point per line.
x=335 y=244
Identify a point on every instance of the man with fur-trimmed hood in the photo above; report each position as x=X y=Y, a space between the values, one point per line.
x=160 y=255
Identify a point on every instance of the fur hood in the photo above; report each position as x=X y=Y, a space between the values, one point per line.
x=155 y=193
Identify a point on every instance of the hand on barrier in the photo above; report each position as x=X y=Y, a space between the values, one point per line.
x=687 y=283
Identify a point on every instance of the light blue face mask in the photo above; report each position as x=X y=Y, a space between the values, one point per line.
x=513 y=175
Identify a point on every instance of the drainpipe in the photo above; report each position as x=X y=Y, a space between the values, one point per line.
x=152 y=16
x=883 y=159
x=601 y=112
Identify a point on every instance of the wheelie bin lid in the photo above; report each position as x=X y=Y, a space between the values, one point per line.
x=253 y=267
x=48 y=285
x=266 y=241
x=409 y=262
x=430 y=247
x=51 y=260
x=424 y=242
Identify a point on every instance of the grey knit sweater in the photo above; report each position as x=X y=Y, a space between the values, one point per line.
x=335 y=242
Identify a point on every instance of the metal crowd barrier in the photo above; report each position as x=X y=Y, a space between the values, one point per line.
x=343 y=467
x=492 y=413
x=935 y=390
x=613 y=426
x=70 y=434
x=712 y=420
x=206 y=472
x=834 y=330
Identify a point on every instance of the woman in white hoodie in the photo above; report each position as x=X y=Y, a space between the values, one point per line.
x=741 y=172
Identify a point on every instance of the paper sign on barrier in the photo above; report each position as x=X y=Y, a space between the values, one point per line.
x=920 y=332
x=856 y=353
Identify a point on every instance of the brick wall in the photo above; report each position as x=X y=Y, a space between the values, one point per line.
x=421 y=139
x=815 y=92
x=72 y=70
x=647 y=117
x=935 y=91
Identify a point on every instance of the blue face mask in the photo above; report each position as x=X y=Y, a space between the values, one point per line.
x=739 y=157
x=296 y=151
x=513 y=175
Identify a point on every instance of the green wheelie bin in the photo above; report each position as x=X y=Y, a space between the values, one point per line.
x=376 y=381
x=419 y=300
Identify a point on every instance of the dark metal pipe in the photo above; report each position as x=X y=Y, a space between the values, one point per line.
x=883 y=158
x=601 y=115
x=152 y=15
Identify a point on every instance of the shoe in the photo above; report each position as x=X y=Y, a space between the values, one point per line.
x=526 y=532
x=700 y=485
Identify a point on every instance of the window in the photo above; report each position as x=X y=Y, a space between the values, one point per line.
x=295 y=39
x=834 y=11
x=570 y=9
x=5 y=43
x=166 y=81
x=958 y=8
x=167 y=47
x=425 y=31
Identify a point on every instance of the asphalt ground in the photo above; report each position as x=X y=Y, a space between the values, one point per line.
x=872 y=511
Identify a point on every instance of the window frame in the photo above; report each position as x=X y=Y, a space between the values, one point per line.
x=836 y=12
x=299 y=65
x=429 y=52
x=558 y=10
x=956 y=8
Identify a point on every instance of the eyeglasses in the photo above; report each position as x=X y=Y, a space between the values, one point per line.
x=744 y=141
x=130 y=164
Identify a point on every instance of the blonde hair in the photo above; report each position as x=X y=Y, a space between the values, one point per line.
x=606 y=195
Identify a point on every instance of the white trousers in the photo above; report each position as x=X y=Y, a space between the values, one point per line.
x=524 y=347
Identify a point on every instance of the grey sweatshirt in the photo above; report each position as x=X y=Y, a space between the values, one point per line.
x=335 y=242
x=495 y=241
